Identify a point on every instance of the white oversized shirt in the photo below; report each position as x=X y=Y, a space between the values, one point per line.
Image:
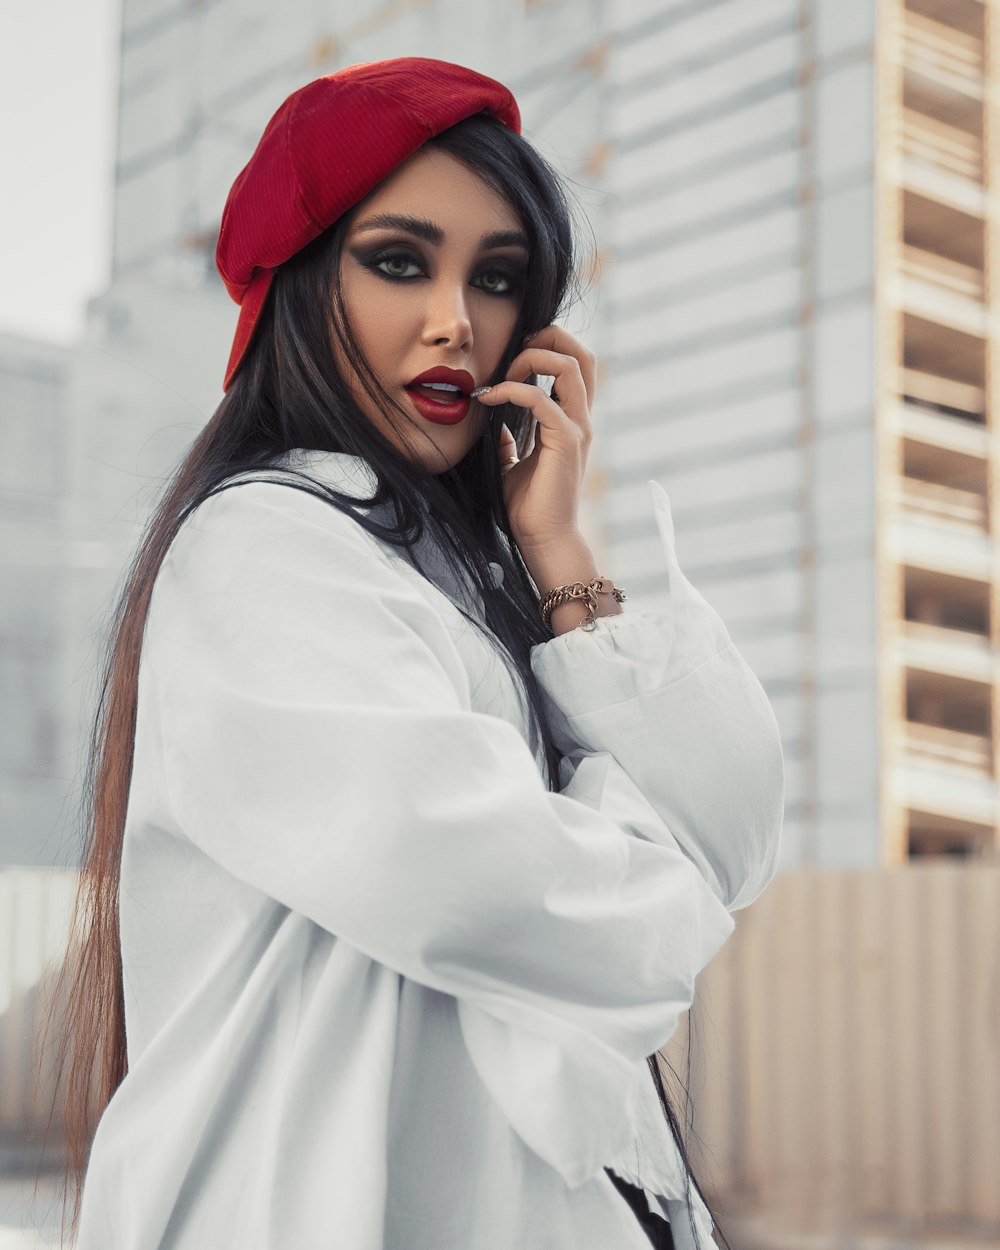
x=383 y=989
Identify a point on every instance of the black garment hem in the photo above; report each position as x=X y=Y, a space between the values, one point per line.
x=656 y=1228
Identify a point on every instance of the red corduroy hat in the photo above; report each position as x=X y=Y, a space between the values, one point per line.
x=326 y=147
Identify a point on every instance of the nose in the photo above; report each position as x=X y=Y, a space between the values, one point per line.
x=447 y=322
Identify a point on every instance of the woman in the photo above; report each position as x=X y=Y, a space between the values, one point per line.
x=407 y=842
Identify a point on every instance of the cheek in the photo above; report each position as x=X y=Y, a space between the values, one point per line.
x=372 y=318
x=495 y=325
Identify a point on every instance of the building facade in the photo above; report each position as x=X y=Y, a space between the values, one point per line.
x=790 y=207
x=937 y=443
x=36 y=556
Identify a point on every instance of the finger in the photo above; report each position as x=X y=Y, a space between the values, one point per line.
x=545 y=411
x=568 y=382
x=557 y=339
x=544 y=361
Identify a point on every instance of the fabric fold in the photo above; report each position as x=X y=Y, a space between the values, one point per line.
x=667 y=694
x=382 y=987
x=285 y=656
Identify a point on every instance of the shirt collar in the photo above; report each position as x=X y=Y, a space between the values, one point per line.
x=350 y=475
x=355 y=477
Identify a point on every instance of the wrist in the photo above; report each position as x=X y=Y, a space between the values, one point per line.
x=560 y=563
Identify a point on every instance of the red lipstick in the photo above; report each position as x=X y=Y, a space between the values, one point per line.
x=442 y=394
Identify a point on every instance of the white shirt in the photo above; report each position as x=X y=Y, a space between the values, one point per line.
x=383 y=989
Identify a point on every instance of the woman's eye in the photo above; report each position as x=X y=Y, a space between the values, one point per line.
x=494 y=281
x=396 y=266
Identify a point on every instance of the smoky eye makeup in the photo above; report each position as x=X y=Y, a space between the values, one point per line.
x=512 y=272
x=499 y=276
x=372 y=256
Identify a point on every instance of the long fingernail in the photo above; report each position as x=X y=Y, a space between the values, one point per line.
x=480 y=390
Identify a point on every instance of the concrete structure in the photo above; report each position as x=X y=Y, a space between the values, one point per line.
x=742 y=358
x=791 y=222
x=937 y=447
x=799 y=347
x=36 y=761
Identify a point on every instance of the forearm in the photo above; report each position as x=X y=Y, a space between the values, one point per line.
x=569 y=560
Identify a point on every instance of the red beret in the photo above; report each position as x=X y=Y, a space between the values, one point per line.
x=326 y=147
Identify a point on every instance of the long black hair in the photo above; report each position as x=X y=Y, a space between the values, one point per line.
x=288 y=394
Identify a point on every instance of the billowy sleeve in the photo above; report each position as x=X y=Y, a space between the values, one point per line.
x=319 y=742
x=660 y=703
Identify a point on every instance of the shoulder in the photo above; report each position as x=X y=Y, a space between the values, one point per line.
x=264 y=569
x=270 y=551
x=279 y=517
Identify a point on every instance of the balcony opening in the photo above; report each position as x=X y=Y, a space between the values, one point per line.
x=942 y=465
x=943 y=67
x=948 y=725
x=960 y=706
x=954 y=151
x=939 y=601
x=943 y=351
x=941 y=485
x=930 y=834
x=965 y=16
x=944 y=231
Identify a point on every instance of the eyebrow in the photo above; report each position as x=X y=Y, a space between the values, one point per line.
x=431 y=233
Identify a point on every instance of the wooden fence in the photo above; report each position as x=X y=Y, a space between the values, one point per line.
x=845 y=1068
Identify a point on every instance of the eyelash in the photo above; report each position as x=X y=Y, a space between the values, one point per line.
x=373 y=263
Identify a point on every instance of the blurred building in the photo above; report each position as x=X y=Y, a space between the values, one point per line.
x=790 y=213
x=789 y=201
x=937 y=449
x=36 y=554
x=798 y=338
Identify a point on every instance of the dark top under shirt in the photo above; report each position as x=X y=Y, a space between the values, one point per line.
x=656 y=1228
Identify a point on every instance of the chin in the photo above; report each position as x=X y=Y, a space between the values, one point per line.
x=440 y=461
x=435 y=462
x=445 y=465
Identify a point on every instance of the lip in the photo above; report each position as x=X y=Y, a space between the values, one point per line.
x=434 y=410
x=442 y=412
x=441 y=373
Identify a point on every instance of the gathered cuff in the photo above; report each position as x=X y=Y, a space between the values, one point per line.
x=636 y=651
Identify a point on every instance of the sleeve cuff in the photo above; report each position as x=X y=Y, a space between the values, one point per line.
x=636 y=651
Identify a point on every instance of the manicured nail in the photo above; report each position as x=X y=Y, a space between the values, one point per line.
x=480 y=390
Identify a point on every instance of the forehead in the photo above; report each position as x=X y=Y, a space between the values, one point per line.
x=435 y=185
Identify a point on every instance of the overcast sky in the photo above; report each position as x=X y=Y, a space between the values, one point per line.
x=58 y=98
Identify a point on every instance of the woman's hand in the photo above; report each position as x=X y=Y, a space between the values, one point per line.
x=542 y=491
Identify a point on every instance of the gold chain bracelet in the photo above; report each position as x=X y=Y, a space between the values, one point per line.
x=581 y=590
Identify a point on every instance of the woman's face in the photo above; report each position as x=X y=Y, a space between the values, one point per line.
x=431 y=274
